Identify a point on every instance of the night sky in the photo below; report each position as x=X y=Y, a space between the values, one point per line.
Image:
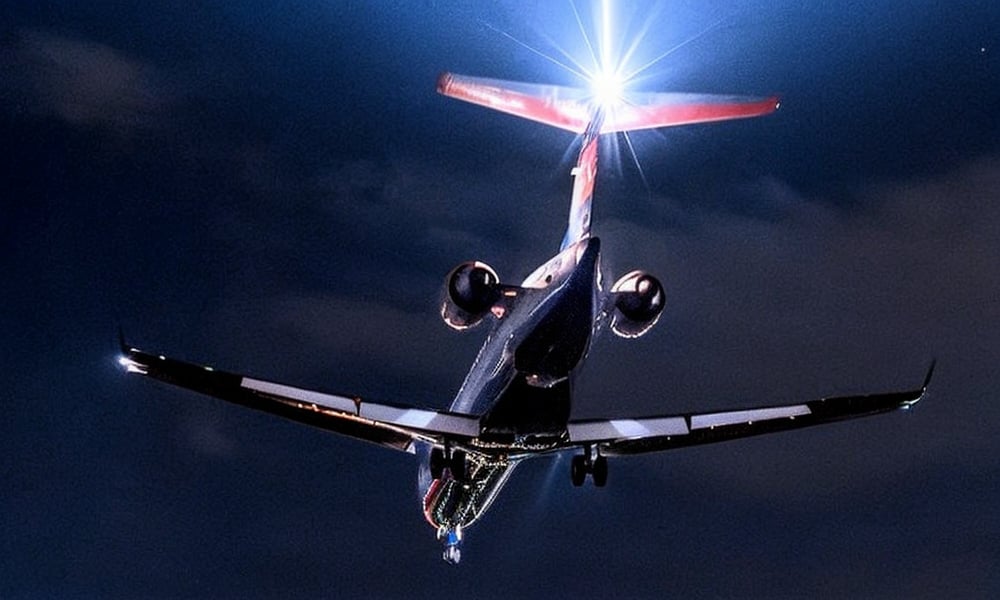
x=276 y=189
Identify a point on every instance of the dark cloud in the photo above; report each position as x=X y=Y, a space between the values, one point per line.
x=84 y=83
x=820 y=300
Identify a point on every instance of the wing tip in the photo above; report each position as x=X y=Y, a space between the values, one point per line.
x=129 y=358
x=919 y=394
x=927 y=378
x=444 y=82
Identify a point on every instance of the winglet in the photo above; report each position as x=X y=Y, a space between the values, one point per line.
x=129 y=357
x=927 y=379
x=918 y=395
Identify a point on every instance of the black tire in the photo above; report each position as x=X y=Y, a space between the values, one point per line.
x=600 y=471
x=578 y=470
x=458 y=465
x=437 y=463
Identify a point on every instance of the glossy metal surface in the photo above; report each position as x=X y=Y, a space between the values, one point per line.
x=520 y=384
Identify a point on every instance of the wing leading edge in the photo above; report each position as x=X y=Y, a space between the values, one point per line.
x=653 y=434
x=388 y=425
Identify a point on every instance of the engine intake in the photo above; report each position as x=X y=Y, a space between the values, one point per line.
x=638 y=302
x=470 y=291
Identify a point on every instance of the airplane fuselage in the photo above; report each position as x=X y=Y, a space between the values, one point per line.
x=520 y=382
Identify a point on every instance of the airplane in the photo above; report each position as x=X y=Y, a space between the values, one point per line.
x=516 y=400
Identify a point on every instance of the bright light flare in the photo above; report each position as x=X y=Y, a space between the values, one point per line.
x=607 y=87
x=612 y=47
x=606 y=82
x=132 y=366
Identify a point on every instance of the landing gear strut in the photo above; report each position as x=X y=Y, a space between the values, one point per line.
x=455 y=463
x=594 y=465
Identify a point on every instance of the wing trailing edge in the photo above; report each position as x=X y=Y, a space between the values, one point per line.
x=655 y=434
x=392 y=426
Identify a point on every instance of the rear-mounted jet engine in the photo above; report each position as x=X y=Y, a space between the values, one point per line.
x=638 y=301
x=470 y=290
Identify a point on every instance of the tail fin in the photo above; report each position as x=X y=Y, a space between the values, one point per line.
x=576 y=110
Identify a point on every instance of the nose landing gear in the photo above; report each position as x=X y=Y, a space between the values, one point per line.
x=595 y=465
x=452 y=539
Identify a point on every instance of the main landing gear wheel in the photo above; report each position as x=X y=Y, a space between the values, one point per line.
x=599 y=471
x=457 y=465
x=581 y=467
x=578 y=470
x=437 y=463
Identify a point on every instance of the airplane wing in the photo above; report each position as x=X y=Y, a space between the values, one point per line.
x=615 y=437
x=388 y=425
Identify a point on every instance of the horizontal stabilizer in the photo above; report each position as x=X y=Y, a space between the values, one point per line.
x=572 y=108
x=558 y=106
x=649 y=111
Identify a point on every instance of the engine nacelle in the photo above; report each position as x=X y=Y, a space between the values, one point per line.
x=470 y=290
x=638 y=301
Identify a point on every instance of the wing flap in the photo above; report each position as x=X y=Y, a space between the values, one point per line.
x=603 y=430
x=387 y=425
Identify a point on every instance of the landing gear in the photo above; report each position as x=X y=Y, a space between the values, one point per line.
x=437 y=463
x=452 y=539
x=596 y=466
x=599 y=471
x=456 y=463
x=457 y=466
x=578 y=470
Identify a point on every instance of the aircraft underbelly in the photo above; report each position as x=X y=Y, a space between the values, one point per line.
x=536 y=400
x=558 y=343
x=525 y=410
x=541 y=337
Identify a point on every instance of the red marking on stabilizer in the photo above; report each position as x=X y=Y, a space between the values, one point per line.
x=666 y=115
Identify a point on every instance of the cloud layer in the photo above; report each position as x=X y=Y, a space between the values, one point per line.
x=81 y=82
